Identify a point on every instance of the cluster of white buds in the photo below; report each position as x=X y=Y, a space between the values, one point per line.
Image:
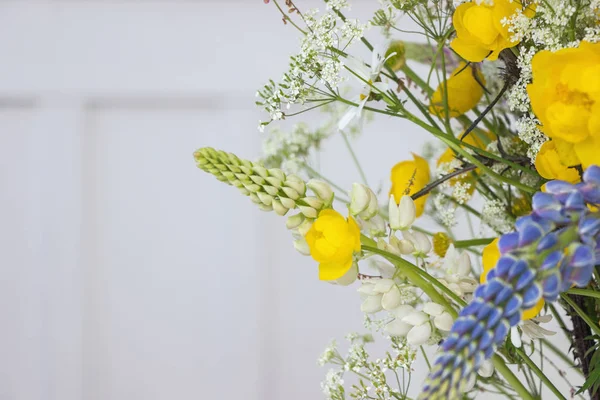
x=384 y=294
x=412 y=243
x=271 y=189
x=420 y=327
x=456 y=270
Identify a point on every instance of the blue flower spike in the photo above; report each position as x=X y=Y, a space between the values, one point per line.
x=553 y=249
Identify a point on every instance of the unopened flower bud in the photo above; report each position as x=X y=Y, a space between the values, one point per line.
x=302 y=246
x=322 y=190
x=309 y=212
x=313 y=202
x=265 y=198
x=419 y=241
x=359 y=198
x=376 y=226
x=264 y=207
x=290 y=193
x=279 y=208
x=403 y=215
x=349 y=277
x=287 y=203
x=294 y=182
x=304 y=227
x=372 y=208
x=294 y=221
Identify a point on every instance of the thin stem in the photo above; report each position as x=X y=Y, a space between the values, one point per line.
x=287 y=18
x=510 y=377
x=584 y=292
x=441 y=180
x=581 y=313
x=460 y=244
x=355 y=159
x=536 y=370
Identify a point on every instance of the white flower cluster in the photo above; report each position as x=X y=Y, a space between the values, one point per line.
x=445 y=210
x=288 y=150
x=495 y=216
x=456 y=272
x=316 y=63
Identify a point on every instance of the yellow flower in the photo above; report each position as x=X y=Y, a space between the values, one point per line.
x=549 y=165
x=464 y=92
x=565 y=97
x=333 y=240
x=408 y=177
x=480 y=32
x=491 y=255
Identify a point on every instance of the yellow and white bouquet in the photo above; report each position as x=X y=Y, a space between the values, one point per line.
x=510 y=93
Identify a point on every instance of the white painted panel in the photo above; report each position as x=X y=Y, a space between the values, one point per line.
x=22 y=348
x=172 y=283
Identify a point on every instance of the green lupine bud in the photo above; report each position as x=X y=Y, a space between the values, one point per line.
x=294 y=221
x=279 y=208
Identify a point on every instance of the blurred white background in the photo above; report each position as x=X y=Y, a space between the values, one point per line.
x=126 y=272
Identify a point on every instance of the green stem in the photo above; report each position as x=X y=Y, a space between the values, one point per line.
x=581 y=313
x=503 y=369
x=533 y=367
x=560 y=354
x=460 y=244
x=584 y=292
x=355 y=159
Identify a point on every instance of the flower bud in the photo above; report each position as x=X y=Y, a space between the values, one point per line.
x=403 y=215
x=290 y=193
x=279 y=208
x=313 y=202
x=359 y=198
x=349 y=277
x=294 y=221
x=294 y=182
x=304 y=227
x=372 y=208
x=376 y=226
x=322 y=190
x=265 y=198
x=302 y=246
x=309 y=212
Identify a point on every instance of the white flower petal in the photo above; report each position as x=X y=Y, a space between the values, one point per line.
x=515 y=337
x=487 y=369
x=349 y=277
x=398 y=328
x=408 y=211
x=402 y=311
x=543 y=318
x=416 y=318
x=433 y=309
x=470 y=384
x=347 y=117
x=464 y=265
x=394 y=214
x=383 y=285
x=419 y=335
x=371 y=305
x=405 y=246
x=444 y=322
x=391 y=299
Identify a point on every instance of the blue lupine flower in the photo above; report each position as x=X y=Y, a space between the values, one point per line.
x=554 y=248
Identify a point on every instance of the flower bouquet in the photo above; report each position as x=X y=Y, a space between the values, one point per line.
x=510 y=94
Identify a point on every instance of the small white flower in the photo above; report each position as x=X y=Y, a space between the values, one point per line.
x=422 y=245
x=485 y=371
x=441 y=318
x=457 y=272
x=376 y=226
x=402 y=215
x=531 y=330
x=369 y=76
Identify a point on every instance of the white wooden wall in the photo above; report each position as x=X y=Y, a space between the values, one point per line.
x=125 y=272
